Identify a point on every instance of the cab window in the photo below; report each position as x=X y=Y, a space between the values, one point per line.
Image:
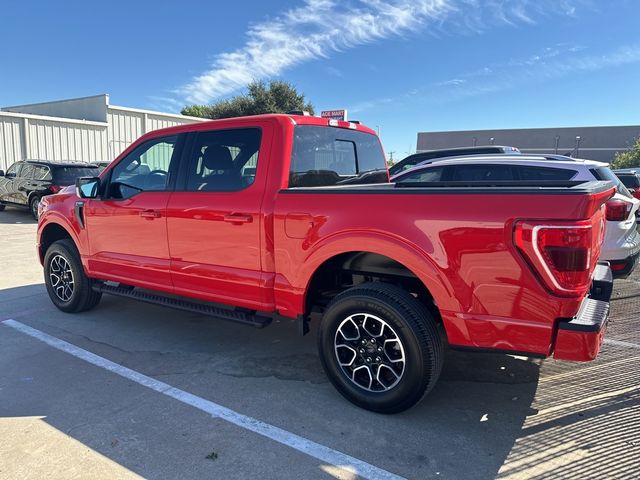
x=145 y=169
x=223 y=160
x=324 y=156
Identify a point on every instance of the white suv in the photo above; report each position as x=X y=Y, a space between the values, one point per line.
x=621 y=245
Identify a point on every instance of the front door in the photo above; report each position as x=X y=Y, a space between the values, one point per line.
x=10 y=182
x=215 y=221
x=127 y=225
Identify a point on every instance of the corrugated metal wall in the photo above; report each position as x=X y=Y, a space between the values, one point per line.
x=124 y=128
x=28 y=136
x=126 y=125
x=62 y=141
x=10 y=145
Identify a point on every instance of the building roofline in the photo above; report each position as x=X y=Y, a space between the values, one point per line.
x=155 y=112
x=528 y=128
x=52 y=119
x=106 y=95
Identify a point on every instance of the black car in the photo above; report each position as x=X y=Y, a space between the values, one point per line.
x=24 y=183
x=631 y=180
x=423 y=157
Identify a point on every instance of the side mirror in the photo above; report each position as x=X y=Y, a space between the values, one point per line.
x=87 y=187
x=1 y=173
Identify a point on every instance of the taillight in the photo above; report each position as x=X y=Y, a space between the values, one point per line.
x=54 y=188
x=618 y=266
x=635 y=192
x=618 y=210
x=564 y=255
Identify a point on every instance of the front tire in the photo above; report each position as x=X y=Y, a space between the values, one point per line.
x=380 y=347
x=67 y=285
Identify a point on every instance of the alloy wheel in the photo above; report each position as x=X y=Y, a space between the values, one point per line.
x=61 y=277
x=369 y=352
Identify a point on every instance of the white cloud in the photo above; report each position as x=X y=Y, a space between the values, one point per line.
x=554 y=63
x=320 y=28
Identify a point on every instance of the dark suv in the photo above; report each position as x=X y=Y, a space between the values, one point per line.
x=423 y=157
x=631 y=180
x=24 y=183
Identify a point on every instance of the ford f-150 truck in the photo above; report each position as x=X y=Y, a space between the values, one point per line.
x=294 y=215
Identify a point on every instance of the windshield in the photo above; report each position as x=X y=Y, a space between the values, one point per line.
x=325 y=156
x=67 y=175
x=605 y=174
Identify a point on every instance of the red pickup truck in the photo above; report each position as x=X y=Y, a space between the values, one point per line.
x=293 y=215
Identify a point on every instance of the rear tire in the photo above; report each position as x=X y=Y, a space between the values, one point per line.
x=67 y=285
x=2 y=207
x=33 y=206
x=380 y=347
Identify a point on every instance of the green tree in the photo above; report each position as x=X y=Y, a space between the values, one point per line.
x=277 y=97
x=628 y=159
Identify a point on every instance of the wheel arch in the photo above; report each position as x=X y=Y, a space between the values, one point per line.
x=382 y=257
x=50 y=233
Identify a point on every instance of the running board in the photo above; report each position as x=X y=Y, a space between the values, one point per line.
x=185 y=305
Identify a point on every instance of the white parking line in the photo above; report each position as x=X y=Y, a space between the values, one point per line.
x=313 y=449
x=621 y=344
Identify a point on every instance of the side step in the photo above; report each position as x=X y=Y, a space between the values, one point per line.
x=185 y=305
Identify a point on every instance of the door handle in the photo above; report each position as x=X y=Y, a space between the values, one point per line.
x=150 y=214
x=238 y=218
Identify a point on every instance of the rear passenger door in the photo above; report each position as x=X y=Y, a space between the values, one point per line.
x=215 y=222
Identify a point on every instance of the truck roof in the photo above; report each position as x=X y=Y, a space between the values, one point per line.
x=280 y=118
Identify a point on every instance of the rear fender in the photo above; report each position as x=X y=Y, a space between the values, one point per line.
x=292 y=292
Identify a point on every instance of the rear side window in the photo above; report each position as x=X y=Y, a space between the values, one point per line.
x=481 y=173
x=605 y=174
x=423 y=175
x=27 y=171
x=42 y=173
x=324 y=156
x=535 y=174
x=224 y=160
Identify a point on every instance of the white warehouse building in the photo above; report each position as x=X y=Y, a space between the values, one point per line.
x=86 y=129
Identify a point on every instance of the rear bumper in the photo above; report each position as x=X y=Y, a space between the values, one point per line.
x=579 y=338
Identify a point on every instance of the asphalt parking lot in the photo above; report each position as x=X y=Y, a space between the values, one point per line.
x=68 y=411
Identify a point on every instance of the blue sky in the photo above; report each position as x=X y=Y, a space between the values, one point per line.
x=402 y=66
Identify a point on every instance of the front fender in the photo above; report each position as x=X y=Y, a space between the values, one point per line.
x=60 y=210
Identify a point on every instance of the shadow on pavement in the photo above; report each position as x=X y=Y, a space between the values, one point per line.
x=15 y=216
x=489 y=416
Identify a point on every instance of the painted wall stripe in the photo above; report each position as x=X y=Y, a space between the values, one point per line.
x=311 y=448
